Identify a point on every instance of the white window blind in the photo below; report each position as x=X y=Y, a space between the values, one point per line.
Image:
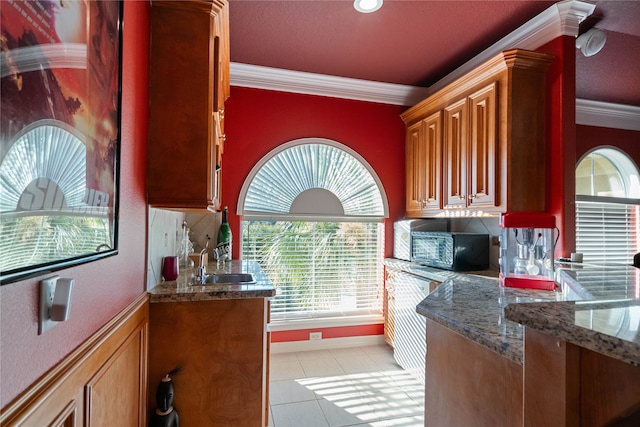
x=319 y=269
x=34 y=239
x=607 y=232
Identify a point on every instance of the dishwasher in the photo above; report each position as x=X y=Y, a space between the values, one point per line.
x=409 y=340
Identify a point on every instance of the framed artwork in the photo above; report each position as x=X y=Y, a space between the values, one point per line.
x=59 y=134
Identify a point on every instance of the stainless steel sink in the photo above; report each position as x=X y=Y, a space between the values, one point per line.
x=228 y=278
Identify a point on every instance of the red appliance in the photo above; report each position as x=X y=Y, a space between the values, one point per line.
x=527 y=247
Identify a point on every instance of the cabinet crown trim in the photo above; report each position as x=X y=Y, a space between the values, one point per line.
x=509 y=59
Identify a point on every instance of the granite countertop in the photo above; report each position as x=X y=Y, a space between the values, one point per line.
x=606 y=319
x=181 y=290
x=580 y=311
x=472 y=305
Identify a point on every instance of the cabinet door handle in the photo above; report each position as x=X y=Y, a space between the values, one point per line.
x=472 y=196
x=461 y=197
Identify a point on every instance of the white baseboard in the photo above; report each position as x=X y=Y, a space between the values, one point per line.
x=326 y=344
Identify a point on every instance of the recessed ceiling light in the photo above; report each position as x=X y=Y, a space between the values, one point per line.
x=367 y=6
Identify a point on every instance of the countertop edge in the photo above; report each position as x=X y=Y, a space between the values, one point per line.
x=558 y=320
x=496 y=344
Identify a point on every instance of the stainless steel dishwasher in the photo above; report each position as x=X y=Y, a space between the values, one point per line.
x=409 y=341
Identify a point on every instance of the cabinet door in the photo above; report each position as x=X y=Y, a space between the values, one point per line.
x=482 y=148
x=415 y=168
x=432 y=128
x=424 y=161
x=186 y=42
x=456 y=157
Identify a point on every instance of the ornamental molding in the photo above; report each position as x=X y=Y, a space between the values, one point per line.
x=608 y=115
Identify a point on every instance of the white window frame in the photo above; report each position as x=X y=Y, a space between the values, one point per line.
x=629 y=174
x=248 y=215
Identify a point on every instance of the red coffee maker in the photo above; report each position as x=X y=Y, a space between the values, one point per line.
x=527 y=247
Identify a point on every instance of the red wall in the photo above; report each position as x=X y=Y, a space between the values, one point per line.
x=561 y=141
x=102 y=288
x=257 y=121
x=590 y=137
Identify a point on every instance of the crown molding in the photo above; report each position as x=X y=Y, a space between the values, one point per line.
x=608 y=115
x=259 y=77
x=562 y=18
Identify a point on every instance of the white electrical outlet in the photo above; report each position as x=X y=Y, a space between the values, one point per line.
x=313 y=336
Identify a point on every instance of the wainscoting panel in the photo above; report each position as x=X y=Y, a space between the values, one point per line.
x=101 y=383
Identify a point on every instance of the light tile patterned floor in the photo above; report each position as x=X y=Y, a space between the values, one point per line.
x=359 y=386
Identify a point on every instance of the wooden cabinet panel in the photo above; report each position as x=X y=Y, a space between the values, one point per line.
x=467 y=384
x=424 y=161
x=188 y=86
x=101 y=383
x=456 y=156
x=112 y=396
x=221 y=347
x=389 y=307
x=580 y=388
x=482 y=182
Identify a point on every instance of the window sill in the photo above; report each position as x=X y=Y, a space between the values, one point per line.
x=278 y=325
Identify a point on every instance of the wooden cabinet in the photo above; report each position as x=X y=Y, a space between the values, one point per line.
x=189 y=83
x=467 y=384
x=222 y=349
x=423 y=154
x=389 y=306
x=470 y=151
x=478 y=145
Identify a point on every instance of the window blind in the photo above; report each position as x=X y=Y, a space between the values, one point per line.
x=38 y=239
x=607 y=232
x=319 y=269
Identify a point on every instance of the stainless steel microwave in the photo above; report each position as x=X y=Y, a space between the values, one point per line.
x=450 y=250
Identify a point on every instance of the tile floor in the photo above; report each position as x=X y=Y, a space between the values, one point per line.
x=359 y=386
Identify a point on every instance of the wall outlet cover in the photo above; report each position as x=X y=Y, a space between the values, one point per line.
x=313 y=336
x=47 y=291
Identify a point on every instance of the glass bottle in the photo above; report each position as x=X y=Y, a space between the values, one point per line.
x=223 y=248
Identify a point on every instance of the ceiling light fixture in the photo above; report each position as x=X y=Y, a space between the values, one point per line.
x=367 y=6
x=591 y=42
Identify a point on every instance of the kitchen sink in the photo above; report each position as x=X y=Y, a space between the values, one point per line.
x=228 y=278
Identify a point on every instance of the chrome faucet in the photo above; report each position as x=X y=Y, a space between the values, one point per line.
x=201 y=271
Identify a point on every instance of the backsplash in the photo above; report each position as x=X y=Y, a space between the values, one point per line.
x=487 y=225
x=165 y=233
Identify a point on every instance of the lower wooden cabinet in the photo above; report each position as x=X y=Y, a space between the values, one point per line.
x=221 y=348
x=467 y=384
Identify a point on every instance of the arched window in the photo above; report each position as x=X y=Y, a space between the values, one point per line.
x=607 y=207
x=312 y=213
x=44 y=198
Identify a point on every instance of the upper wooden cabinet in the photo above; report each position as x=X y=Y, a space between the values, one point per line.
x=189 y=83
x=488 y=155
x=424 y=175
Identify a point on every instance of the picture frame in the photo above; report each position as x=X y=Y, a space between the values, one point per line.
x=60 y=136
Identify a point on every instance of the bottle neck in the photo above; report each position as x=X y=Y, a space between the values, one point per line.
x=224 y=216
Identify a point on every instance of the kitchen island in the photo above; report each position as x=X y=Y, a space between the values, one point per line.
x=594 y=344
x=477 y=363
x=216 y=335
